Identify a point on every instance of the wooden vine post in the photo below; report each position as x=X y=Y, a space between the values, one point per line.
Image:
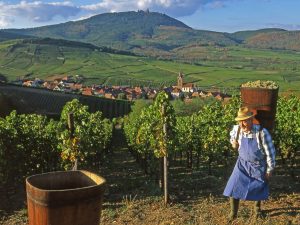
x=166 y=194
x=71 y=129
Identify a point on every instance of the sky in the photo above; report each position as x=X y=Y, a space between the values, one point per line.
x=215 y=15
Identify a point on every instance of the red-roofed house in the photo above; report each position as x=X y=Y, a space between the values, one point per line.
x=87 y=91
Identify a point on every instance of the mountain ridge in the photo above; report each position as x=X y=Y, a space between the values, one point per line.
x=152 y=33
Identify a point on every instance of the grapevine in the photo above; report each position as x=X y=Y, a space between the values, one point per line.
x=261 y=84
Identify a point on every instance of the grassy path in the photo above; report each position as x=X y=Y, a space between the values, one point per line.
x=196 y=198
x=124 y=177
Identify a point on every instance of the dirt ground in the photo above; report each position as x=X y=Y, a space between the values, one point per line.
x=131 y=197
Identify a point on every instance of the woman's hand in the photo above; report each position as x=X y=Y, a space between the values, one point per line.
x=268 y=176
x=235 y=144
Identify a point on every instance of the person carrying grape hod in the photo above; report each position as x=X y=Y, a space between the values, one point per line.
x=254 y=166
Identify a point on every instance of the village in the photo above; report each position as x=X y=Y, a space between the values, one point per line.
x=74 y=85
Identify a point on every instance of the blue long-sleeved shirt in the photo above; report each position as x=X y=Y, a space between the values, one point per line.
x=267 y=146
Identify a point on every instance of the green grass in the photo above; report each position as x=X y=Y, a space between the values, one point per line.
x=206 y=66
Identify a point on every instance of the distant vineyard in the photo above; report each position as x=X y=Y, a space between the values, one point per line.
x=136 y=82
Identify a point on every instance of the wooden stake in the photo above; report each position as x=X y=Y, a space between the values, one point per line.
x=72 y=129
x=166 y=194
x=71 y=124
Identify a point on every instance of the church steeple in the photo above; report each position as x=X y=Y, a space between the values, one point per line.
x=180 y=80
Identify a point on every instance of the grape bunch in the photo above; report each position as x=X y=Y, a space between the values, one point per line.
x=261 y=84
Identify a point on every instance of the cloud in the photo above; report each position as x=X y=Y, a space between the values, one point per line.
x=175 y=8
x=42 y=12
x=4 y=21
x=38 y=12
x=110 y=6
x=215 y=5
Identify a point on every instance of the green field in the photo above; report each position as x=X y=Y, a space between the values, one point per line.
x=222 y=67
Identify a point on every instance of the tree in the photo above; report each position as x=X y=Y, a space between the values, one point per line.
x=121 y=96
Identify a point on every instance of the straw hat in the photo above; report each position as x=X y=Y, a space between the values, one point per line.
x=243 y=114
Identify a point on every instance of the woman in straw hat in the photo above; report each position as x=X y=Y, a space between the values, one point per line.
x=254 y=166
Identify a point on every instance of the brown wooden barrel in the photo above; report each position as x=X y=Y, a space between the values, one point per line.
x=262 y=102
x=64 y=198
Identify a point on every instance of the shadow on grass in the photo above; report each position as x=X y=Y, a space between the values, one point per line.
x=12 y=199
x=127 y=183
x=125 y=178
x=291 y=211
x=193 y=184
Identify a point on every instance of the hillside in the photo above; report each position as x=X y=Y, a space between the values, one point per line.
x=289 y=40
x=107 y=29
x=207 y=58
x=49 y=58
x=242 y=36
x=5 y=36
x=206 y=66
x=130 y=31
x=154 y=34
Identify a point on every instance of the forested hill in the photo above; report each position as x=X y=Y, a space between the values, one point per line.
x=288 y=40
x=242 y=36
x=154 y=34
x=130 y=31
x=4 y=36
x=108 y=28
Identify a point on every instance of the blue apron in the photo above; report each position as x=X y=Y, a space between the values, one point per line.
x=247 y=180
